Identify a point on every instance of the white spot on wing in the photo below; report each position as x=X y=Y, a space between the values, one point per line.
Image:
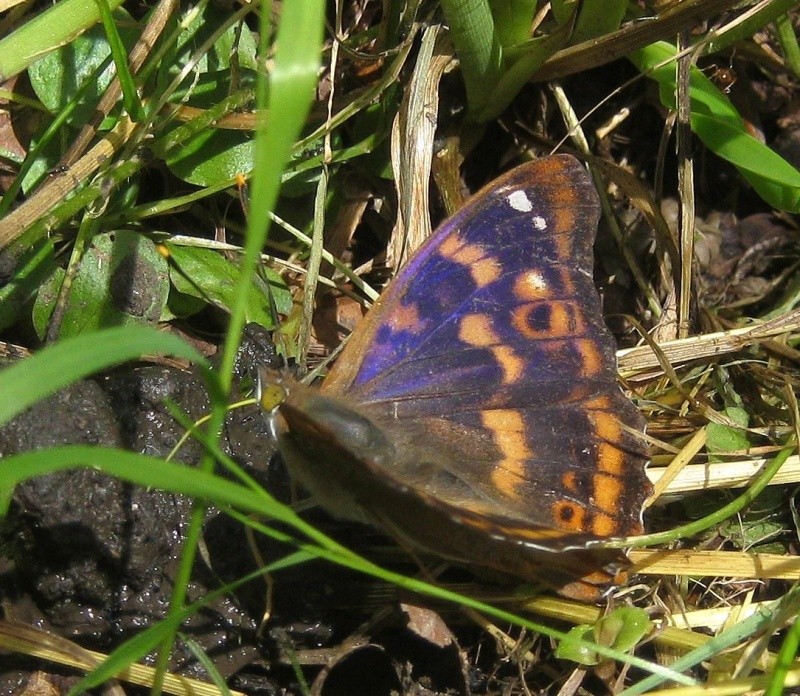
x=539 y=222
x=520 y=202
x=536 y=281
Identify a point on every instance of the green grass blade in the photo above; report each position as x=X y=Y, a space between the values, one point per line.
x=145 y=471
x=478 y=48
x=787 y=657
x=53 y=368
x=788 y=39
x=527 y=59
x=55 y=27
x=598 y=18
x=512 y=20
x=130 y=98
x=717 y=123
x=292 y=82
x=773 y=178
x=294 y=58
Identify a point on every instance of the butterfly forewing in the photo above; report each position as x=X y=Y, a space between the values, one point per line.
x=515 y=255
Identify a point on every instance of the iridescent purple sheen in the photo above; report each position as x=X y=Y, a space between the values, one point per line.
x=403 y=363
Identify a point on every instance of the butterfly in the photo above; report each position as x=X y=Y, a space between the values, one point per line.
x=474 y=413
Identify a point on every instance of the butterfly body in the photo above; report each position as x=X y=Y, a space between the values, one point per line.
x=475 y=413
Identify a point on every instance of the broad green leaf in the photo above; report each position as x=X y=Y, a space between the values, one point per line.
x=208 y=275
x=213 y=156
x=200 y=153
x=121 y=280
x=746 y=535
x=622 y=629
x=41 y=160
x=240 y=42
x=180 y=306
x=577 y=646
x=209 y=156
x=33 y=266
x=221 y=53
x=58 y=76
x=724 y=438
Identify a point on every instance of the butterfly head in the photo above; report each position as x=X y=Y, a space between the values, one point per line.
x=322 y=440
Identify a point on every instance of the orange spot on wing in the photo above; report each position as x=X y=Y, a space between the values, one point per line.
x=531 y=285
x=476 y=330
x=508 y=433
x=564 y=320
x=564 y=224
x=570 y=481
x=569 y=515
x=604 y=420
x=592 y=359
x=486 y=271
x=610 y=459
x=607 y=492
x=456 y=249
x=565 y=200
x=510 y=363
x=406 y=318
x=607 y=485
x=520 y=318
x=604 y=525
x=484 y=268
